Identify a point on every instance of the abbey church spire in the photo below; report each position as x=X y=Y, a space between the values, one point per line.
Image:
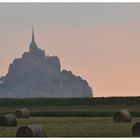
x=33 y=45
x=33 y=33
x=33 y=49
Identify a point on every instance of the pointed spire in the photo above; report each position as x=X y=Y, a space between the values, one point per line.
x=33 y=33
x=33 y=45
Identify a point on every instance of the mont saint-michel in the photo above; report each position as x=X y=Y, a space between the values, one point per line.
x=37 y=75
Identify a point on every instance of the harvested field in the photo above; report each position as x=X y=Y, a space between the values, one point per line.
x=73 y=117
x=76 y=127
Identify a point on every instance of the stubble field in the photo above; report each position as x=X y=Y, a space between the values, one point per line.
x=73 y=117
x=75 y=127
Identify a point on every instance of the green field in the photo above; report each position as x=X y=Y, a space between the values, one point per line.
x=85 y=117
x=74 y=111
x=75 y=127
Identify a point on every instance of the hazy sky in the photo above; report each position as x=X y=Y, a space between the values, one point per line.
x=100 y=42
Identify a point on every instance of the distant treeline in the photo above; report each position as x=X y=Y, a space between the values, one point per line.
x=78 y=114
x=70 y=101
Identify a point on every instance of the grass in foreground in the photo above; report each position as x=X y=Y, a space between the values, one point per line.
x=75 y=127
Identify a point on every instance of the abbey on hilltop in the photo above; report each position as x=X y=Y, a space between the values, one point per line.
x=38 y=75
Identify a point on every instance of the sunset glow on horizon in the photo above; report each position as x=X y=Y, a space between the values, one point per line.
x=97 y=41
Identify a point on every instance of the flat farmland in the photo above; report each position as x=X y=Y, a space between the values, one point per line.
x=85 y=117
x=74 y=111
x=75 y=127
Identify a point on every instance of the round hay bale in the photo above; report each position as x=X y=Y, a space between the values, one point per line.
x=31 y=131
x=22 y=113
x=8 y=120
x=136 y=129
x=122 y=116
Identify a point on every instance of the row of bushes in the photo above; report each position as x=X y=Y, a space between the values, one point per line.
x=75 y=114
x=70 y=101
x=78 y=114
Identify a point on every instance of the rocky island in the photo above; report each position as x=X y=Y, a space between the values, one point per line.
x=38 y=75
